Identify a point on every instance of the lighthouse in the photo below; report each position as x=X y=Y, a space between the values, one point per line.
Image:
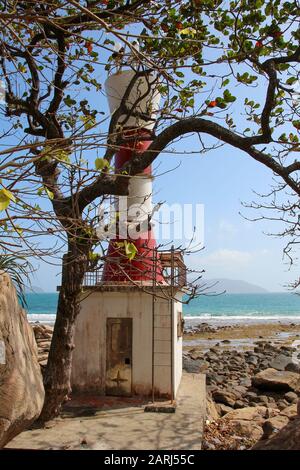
x=128 y=337
x=134 y=227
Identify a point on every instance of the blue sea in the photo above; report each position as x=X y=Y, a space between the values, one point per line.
x=224 y=307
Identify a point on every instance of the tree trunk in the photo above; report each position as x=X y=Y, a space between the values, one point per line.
x=58 y=371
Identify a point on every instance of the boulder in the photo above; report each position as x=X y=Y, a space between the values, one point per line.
x=288 y=438
x=250 y=429
x=255 y=413
x=293 y=367
x=223 y=409
x=291 y=397
x=239 y=404
x=280 y=362
x=282 y=404
x=211 y=409
x=21 y=384
x=275 y=380
x=273 y=425
x=224 y=396
x=289 y=411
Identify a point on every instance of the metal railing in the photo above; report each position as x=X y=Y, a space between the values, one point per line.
x=168 y=263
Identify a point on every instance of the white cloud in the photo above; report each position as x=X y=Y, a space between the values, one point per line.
x=226 y=228
x=225 y=257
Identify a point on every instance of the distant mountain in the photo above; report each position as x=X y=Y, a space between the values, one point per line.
x=33 y=290
x=232 y=286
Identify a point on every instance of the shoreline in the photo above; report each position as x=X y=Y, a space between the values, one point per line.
x=192 y=321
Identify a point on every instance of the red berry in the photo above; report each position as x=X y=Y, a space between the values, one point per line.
x=165 y=28
x=212 y=104
x=258 y=44
x=89 y=47
x=179 y=25
x=179 y=110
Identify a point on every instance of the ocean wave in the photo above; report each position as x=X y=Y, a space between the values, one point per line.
x=231 y=319
x=241 y=317
x=48 y=318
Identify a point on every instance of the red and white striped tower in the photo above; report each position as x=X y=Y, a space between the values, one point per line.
x=136 y=138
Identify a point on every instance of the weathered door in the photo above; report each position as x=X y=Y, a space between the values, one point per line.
x=118 y=356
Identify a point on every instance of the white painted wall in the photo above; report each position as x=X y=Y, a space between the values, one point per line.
x=89 y=358
x=177 y=346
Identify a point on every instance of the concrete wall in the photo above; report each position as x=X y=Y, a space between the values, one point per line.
x=177 y=347
x=89 y=359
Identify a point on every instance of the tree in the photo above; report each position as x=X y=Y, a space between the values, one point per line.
x=18 y=272
x=54 y=57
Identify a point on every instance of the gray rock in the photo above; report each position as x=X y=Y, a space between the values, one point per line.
x=272 y=379
x=252 y=360
x=293 y=367
x=212 y=412
x=224 y=396
x=280 y=362
x=251 y=395
x=223 y=409
x=291 y=397
x=290 y=411
x=282 y=404
x=287 y=438
x=239 y=404
x=211 y=378
x=258 y=414
x=246 y=382
x=273 y=425
x=263 y=399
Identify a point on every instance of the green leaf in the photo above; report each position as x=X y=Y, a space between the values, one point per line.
x=130 y=250
x=22 y=68
x=49 y=193
x=179 y=74
x=69 y=101
x=228 y=97
x=5 y=198
x=291 y=80
x=93 y=256
x=283 y=138
x=88 y=121
x=190 y=31
x=62 y=155
x=101 y=163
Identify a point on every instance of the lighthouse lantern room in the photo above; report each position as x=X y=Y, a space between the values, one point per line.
x=128 y=338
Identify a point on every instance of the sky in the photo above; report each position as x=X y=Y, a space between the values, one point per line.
x=234 y=248
x=220 y=180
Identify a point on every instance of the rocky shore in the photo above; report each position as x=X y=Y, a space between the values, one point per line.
x=253 y=382
x=43 y=336
x=253 y=388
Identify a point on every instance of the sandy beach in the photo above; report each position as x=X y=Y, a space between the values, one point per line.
x=240 y=333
